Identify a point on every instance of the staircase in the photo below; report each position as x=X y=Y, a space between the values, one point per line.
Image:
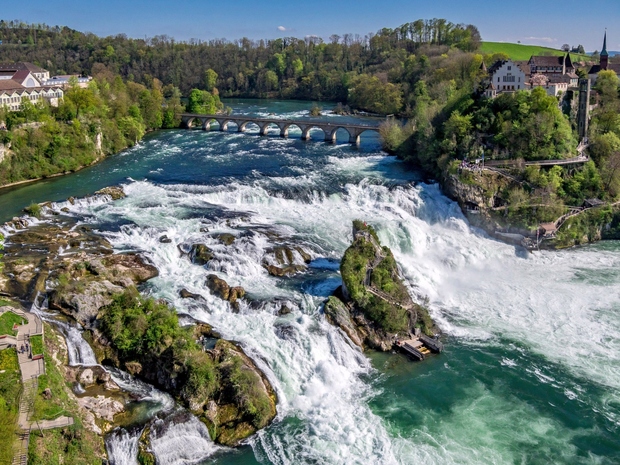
x=26 y=407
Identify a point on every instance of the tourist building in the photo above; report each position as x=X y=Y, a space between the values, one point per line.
x=21 y=81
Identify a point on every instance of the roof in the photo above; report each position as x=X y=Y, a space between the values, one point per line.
x=524 y=66
x=610 y=67
x=604 y=51
x=559 y=79
x=22 y=65
x=10 y=84
x=546 y=60
x=21 y=75
x=551 y=60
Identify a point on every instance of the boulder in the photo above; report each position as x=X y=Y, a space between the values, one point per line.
x=337 y=314
x=130 y=265
x=115 y=192
x=102 y=407
x=165 y=239
x=87 y=377
x=185 y=294
x=218 y=287
x=200 y=254
x=281 y=271
x=84 y=303
x=225 y=238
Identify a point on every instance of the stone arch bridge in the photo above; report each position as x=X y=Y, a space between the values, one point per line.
x=189 y=120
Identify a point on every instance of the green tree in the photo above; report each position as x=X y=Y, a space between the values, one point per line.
x=369 y=93
x=81 y=98
x=210 y=80
x=203 y=102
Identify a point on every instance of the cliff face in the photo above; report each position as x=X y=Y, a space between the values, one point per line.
x=373 y=306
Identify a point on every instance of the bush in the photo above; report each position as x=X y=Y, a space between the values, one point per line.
x=34 y=209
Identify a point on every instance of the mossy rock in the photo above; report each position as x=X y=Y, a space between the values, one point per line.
x=200 y=254
x=145 y=456
x=225 y=238
x=232 y=436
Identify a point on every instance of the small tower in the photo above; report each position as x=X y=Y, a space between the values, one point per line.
x=604 y=54
x=583 y=110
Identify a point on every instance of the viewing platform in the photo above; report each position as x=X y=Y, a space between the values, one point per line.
x=419 y=346
x=329 y=129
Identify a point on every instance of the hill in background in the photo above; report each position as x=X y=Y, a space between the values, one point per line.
x=524 y=52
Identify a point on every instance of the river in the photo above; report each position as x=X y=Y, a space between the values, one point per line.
x=531 y=369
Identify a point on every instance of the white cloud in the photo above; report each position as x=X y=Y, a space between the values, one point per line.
x=282 y=28
x=545 y=40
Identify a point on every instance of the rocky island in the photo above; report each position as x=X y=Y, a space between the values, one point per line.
x=373 y=306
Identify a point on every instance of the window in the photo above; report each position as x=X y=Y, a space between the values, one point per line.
x=510 y=68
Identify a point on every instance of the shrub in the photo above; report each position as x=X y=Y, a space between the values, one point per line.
x=34 y=209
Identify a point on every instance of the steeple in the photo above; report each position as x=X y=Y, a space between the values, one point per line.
x=604 y=55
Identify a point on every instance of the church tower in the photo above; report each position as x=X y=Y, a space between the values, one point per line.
x=604 y=54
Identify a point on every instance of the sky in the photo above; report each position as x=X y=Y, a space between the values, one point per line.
x=536 y=22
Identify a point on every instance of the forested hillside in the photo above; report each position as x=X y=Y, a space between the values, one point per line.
x=344 y=67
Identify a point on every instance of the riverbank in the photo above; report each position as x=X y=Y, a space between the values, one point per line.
x=484 y=196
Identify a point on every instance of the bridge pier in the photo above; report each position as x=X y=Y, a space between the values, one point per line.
x=240 y=126
x=305 y=132
x=264 y=129
x=330 y=134
x=206 y=125
x=283 y=130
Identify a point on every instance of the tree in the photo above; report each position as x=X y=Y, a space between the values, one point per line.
x=565 y=48
x=81 y=98
x=210 y=80
x=201 y=101
x=369 y=93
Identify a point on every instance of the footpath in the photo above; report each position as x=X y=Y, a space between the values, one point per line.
x=31 y=366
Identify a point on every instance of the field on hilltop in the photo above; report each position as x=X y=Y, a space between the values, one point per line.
x=524 y=52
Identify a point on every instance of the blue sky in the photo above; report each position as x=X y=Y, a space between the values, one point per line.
x=533 y=22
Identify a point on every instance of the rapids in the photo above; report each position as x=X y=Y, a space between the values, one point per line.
x=531 y=370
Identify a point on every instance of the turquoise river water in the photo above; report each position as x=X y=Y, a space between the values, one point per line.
x=531 y=369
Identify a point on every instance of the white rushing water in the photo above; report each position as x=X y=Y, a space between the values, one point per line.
x=122 y=446
x=479 y=290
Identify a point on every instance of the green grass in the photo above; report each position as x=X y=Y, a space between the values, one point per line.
x=8 y=303
x=36 y=343
x=7 y=320
x=10 y=387
x=524 y=52
x=62 y=446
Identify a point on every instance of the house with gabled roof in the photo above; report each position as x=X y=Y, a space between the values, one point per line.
x=505 y=76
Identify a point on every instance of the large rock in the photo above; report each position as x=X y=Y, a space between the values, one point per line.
x=200 y=254
x=102 y=407
x=378 y=306
x=83 y=303
x=114 y=192
x=285 y=260
x=337 y=314
x=218 y=287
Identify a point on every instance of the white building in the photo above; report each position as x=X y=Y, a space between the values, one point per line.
x=506 y=76
x=21 y=81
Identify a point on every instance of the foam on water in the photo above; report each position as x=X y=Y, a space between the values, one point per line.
x=480 y=290
x=122 y=446
x=180 y=443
